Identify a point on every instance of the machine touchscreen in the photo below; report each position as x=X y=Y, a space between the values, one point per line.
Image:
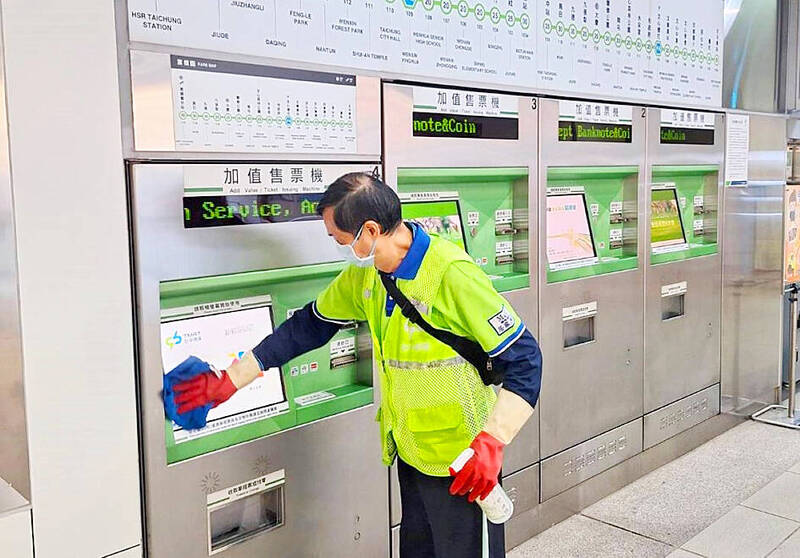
x=666 y=225
x=569 y=235
x=442 y=218
x=219 y=338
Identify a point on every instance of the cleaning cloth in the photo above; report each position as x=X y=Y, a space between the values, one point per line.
x=186 y=370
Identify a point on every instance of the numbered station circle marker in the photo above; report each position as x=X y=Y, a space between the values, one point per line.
x=446 y=6
x=480 y=12
x=494 y=14
x=547 y=26
x=511 y=19
x=463 y=8
x=525 y=21
x=428 y=4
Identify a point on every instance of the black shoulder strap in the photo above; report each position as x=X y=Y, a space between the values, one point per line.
x=469 y=350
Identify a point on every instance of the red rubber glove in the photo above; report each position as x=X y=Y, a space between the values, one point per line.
x=203 y=389
x=479 y=475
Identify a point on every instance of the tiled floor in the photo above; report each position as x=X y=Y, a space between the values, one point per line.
x=737 y=496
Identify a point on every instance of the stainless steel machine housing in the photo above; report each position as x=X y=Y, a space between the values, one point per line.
x=402 y=149
x=682 y=354
x=591 y=403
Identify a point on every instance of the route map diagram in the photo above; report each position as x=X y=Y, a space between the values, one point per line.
x=664 y=50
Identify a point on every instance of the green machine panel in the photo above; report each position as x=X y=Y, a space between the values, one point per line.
x=683 y=212
x=483 y=210
x=591 y=221
x=217 y=319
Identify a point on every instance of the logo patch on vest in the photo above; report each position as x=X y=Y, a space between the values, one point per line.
x=502 y=321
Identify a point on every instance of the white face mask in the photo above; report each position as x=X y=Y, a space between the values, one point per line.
x=348 y=252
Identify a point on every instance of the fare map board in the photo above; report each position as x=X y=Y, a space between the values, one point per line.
x=664 y=50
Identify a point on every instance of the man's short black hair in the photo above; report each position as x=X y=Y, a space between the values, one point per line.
x=359 y=197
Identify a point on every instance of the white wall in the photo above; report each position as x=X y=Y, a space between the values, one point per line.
x=68 y=181
x=15 y=535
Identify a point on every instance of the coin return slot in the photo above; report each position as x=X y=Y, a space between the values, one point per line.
x=245 y=518
x=672 y=307
x=578 y=332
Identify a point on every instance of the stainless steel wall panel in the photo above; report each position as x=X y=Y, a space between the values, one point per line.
x=681 y=415
x=577 y=464
x=752 y=250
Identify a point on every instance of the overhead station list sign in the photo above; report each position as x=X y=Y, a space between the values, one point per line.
x=595 y=122
x=227 y=195
x=664 y=50
x=455 y=113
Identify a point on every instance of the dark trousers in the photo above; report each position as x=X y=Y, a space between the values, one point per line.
x=438 y=525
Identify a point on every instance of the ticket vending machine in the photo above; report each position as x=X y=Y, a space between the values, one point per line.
x=683 y=276
x=225 y=248
x=591 y=165
x=464 y=164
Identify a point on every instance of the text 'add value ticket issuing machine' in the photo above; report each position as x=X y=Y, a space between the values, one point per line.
x=224 y=253
x=464 y=165
x=683 y=275
x=591 y=280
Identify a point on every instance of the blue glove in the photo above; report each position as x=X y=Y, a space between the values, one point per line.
x=186 y=370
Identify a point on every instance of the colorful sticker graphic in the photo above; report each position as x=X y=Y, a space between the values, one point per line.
x=666 y=226
x=791 y=252
x=569 y=237
x=439 y=218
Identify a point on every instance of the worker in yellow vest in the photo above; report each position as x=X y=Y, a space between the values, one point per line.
x=435 y=401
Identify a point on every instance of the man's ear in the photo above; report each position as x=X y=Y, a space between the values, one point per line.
x=373 y=227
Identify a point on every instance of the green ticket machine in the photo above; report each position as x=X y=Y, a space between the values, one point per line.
x=684 y=273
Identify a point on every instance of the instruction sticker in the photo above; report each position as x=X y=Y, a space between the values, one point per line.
x=343 y=347
x=502 y=216
x=473 y=219
x=579 y=311
x=673 y=289
x=312 y=398
x=504 y=248
x=246 y=488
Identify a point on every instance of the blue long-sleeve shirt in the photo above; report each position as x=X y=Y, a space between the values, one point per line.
x=305 y=331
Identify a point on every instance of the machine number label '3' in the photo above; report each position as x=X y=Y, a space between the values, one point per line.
x=502 y=321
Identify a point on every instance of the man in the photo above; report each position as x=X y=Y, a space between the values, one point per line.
x=433 y=402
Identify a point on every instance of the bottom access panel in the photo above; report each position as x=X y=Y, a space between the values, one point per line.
x=676 y=417
x=523 y=489
x=579 y=463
